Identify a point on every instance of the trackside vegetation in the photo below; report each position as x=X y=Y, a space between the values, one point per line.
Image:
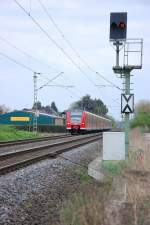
x=45 y=128
x=122 y=198
x=141 y=120
x=8 y=133
x=114 y=167
x=142 y=115
x=86 y=206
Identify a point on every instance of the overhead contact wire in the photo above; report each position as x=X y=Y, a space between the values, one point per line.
x=24 y=53
x=53 y=41
x=17 y=62
x=75 y=51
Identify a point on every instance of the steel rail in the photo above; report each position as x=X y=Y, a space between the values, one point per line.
x=15 y=160
x=31 y=140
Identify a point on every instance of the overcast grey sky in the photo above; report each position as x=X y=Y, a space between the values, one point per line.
x=85 y=23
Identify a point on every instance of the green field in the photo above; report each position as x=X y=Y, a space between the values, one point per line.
x=11 y=133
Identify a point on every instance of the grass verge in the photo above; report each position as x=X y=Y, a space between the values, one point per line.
x=113 y=167
x=123 y=197
x=10 y=133
x=86 y=207
x=83 y=176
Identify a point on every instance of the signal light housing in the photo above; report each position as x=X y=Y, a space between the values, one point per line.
x=118 y=26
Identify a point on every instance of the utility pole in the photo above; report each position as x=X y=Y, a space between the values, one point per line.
x=35 y=125
x=118 y=31
x=124 y=72
x=117 y=44
x=127 y=114
x=36 y=89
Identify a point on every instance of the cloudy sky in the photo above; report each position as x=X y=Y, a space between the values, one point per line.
x=85 y=25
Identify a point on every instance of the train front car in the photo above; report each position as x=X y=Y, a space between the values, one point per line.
x=80 y=122
x=74 y=121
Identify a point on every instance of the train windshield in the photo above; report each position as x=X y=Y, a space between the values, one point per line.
x=76 y=117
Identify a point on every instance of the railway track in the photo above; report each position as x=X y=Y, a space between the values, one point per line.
x=15 y=160
x=31 y=140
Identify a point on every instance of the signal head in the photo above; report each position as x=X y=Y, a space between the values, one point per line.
x=118 y=26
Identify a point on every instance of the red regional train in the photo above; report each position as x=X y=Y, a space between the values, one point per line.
x=79 y=122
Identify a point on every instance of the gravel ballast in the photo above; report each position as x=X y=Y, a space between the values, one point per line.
x=33 y=195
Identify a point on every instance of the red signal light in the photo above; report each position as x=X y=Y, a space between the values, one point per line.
x=122 y=25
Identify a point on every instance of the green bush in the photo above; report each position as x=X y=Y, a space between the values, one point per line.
x=11 y=133
x=83 y=175
x=46 y=128
x=141 y=120
x=113 y=167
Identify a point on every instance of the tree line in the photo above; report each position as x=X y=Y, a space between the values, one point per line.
x=50 y=109
x=92 y=105
x=85 y=103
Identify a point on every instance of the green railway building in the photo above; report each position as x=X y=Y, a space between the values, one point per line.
x=25 y=118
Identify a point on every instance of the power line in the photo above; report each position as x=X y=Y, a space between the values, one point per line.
x=61 y=49
x=24 y=53
x=53 y=41
x=50 y=80
x=30 y=6
x=17 y=62
x=60 y=85
x=27 y=67
x=31 y=70
x=114 y=100
x=70 y=45
x=108 y=81
x=57 y=85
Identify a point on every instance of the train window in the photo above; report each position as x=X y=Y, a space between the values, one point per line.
x=76 y=116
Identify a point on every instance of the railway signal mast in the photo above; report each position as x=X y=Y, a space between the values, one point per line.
x=131 y=59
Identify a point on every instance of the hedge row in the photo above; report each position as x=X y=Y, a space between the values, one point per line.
x=45 y=128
